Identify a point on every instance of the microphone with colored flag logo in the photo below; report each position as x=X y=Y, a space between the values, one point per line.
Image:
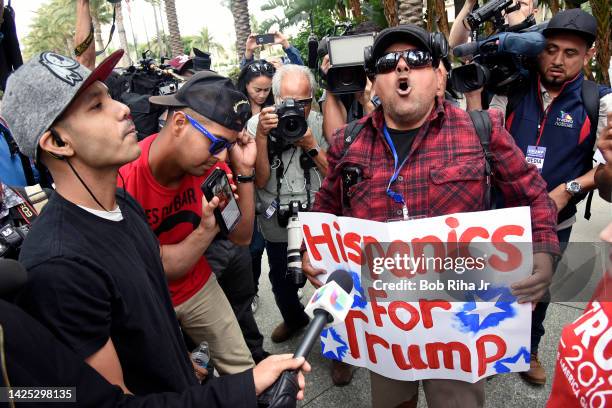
x=328 y=307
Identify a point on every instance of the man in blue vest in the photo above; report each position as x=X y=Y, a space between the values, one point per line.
x=550 y=120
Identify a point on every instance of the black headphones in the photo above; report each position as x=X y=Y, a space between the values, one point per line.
x=437 y=44
x=58 y=141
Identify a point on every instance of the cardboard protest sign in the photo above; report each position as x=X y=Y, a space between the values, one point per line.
x=431 y=296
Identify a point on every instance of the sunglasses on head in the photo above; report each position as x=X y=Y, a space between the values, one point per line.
x=414 y=59
x=262 y=67
x=217 y=144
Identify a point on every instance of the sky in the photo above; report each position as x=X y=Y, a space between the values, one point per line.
x=192 y=16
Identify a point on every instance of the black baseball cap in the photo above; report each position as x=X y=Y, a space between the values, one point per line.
x=212 y=96
x=405 y=32
x=573 y=21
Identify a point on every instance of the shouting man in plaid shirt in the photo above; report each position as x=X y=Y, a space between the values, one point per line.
x=419 y=156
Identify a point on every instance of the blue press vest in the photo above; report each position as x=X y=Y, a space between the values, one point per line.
x=566 y=134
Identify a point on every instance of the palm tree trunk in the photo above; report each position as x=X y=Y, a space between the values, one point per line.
x=159 y=33
x=341 y=9
x=98 y=34
x=164 y=26
x=410 y=12
x=442 y=17
x=126 y=61
x=242 y=24
x=175 y=35
x=355 y=8
x=133 y=33
x=601 y=12
x=390 y=10
x=431 y=18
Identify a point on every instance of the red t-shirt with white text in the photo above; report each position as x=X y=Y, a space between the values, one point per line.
x=583 y=373
x=172 y=214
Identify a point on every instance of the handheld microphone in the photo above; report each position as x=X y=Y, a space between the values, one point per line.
x=328 y=306
x=12 y=277
x=529 y=44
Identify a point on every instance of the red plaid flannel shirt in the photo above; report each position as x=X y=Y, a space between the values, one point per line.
x=444 y=174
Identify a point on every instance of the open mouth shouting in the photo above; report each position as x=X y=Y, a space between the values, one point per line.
x=403 y=87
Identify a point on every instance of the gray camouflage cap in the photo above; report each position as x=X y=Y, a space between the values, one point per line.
x=40 y=91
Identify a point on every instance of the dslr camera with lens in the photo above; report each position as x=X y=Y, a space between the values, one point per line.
x=292 y=125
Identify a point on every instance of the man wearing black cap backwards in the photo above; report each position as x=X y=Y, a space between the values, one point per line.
x=205 y=120
x=419 y=156
x=555 y=120
x=96 y=279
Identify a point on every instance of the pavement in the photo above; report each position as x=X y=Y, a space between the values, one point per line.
x=507 y=390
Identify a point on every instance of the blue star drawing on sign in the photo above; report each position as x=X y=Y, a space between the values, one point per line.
x=486 y=309
x=501 y=365
x=359 y=300
x=332 y=345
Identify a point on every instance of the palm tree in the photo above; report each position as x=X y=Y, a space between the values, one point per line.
x=242 y=26
x=205 y=42
x=126 y=61
x=175 y=35
x=390 y=9
x=601 y=12
x=52 y=29
x=410 y=12
x=159 y=32
x=355 y=7
x=100 y=14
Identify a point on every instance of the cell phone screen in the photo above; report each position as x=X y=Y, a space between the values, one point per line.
x=227 y=203
x=227 y=212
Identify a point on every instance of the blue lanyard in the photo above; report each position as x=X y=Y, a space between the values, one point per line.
x=396 y=167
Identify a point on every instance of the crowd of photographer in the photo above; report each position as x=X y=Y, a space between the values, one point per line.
x=162 y=186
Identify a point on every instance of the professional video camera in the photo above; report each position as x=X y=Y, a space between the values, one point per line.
x=292 y=123
x=288 y=214
x=346 y=74
x=137 y=83
x=502 y=60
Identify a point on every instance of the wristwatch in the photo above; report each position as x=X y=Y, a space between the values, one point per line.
x=245 y=179
x=573 y=187
x=312 y=153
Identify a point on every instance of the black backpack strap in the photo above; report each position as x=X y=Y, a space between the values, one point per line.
x=590 y=99
x=351 y=132
x=483 y=127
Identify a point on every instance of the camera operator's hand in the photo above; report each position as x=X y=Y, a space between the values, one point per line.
x=306 y=142
x=365 y=97
x=473 y=100
x=325 y=64
x=250 y=46
x=243 y=154
x=533 y=288
x=279 y=38
x=208 y=223
x=270 y=369
x=268 y=120
x=310 y=272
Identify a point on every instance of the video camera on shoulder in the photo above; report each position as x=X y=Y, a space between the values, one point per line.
x=346 y=74
x=292 y=125
x=501 y=61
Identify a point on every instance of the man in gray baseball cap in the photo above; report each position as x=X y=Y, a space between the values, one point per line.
x=95 y=276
